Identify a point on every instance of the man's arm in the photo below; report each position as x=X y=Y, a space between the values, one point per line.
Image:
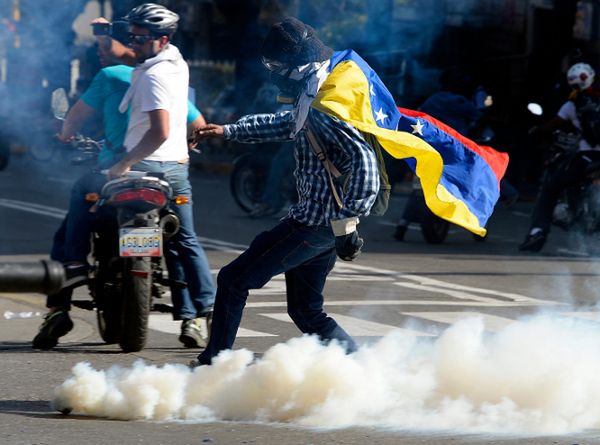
x=154 y=138
x=253 y=128
x=194 y=126
x=78 y=115
x=114 y=49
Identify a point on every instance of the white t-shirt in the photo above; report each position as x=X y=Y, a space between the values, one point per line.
x=159 y=83
x=568 y=113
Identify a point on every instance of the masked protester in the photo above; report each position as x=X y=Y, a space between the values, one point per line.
x=582 y=110
x=305 y=243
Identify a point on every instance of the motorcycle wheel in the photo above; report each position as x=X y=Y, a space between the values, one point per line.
x=433 y=228
x=137 y=295
x=42 y=152
x=247 y=183
x=109 y=307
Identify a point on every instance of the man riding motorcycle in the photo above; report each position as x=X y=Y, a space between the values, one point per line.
x=582 y=110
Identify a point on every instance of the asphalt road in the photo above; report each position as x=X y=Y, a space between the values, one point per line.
x=414 y=288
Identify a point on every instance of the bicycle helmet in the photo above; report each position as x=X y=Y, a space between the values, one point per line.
x=156 y=18
x=581 y=76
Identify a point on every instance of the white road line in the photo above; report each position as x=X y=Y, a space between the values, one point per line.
x=424 y=302
x=492 y=322
x=358 y=327
x=164 y=323
x=588 y=316
x=346 y=272
x=52 y=212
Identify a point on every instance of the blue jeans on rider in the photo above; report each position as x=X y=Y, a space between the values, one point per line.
x=306 y=255
x=185 y=258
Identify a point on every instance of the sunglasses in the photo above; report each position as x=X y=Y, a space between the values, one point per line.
x=274 y=65
x=139 y=39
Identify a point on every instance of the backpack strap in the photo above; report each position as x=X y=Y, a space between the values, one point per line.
x=315 y=144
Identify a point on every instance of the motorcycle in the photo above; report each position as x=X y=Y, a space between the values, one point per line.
x=249 y=176
x=133 y=219
x=578 y=208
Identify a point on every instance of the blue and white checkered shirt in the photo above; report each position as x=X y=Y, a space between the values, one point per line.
x=346 y=149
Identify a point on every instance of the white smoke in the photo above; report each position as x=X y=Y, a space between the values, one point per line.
x=536 y=376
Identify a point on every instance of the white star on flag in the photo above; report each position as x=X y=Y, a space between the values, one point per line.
x=371 y=90
x=417 y=128
x=380 y=115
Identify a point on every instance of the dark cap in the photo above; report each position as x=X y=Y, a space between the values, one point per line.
x=294 y=43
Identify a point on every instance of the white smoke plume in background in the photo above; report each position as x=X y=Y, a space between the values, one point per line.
x=536 y=376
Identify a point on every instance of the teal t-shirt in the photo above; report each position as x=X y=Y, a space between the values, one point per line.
x=104 y=95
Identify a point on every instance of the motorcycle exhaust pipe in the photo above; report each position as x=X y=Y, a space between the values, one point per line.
x=169 y=224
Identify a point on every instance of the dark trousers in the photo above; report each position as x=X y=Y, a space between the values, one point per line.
x=568 y=173
x=306 y=255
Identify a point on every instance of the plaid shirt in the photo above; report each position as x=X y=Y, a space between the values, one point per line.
x=346 y=149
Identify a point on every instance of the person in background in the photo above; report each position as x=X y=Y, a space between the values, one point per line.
x=581 y=111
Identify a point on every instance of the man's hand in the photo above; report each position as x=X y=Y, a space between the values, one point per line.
x=208 y=131
x=118 y=170
x=348 y=247
x=63 y=138
x=347 y=242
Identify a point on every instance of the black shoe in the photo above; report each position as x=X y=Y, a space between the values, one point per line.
x=76 y=274
x=399 y=233
x=533 y=243
x=55 y=325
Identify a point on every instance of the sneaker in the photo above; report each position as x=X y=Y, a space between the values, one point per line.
x=55 y=325
x=399 y=233
x=533 y=243
x=195 y=364
x=76 y=274
x=194 y=333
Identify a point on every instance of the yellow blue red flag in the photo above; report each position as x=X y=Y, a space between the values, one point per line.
x=460 y=179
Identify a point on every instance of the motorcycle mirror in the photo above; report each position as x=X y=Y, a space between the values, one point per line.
x=60 y=103
x=535 y=109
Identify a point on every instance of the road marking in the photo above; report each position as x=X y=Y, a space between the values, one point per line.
x=357 y=327
x=165 y=323
x=492 y=322
x=424 y=302
x=53 y=212
x=587 y=316
x=349 y=272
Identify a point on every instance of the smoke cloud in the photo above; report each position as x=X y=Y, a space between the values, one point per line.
x=536 y=376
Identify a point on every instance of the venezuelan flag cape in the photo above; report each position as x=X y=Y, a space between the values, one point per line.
x=460 y=179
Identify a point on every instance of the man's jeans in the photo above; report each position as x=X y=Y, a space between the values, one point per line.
x=306 y=255
x=185 y=258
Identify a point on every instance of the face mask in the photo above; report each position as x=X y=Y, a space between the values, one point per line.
x=289 y=88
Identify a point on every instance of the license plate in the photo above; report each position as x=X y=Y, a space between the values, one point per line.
x=140 y=242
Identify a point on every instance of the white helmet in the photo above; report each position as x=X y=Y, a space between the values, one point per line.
x=158 y=19
x=581 y=76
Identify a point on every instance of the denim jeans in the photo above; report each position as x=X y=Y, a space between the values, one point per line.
x=306 y=255
x=185 y=258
